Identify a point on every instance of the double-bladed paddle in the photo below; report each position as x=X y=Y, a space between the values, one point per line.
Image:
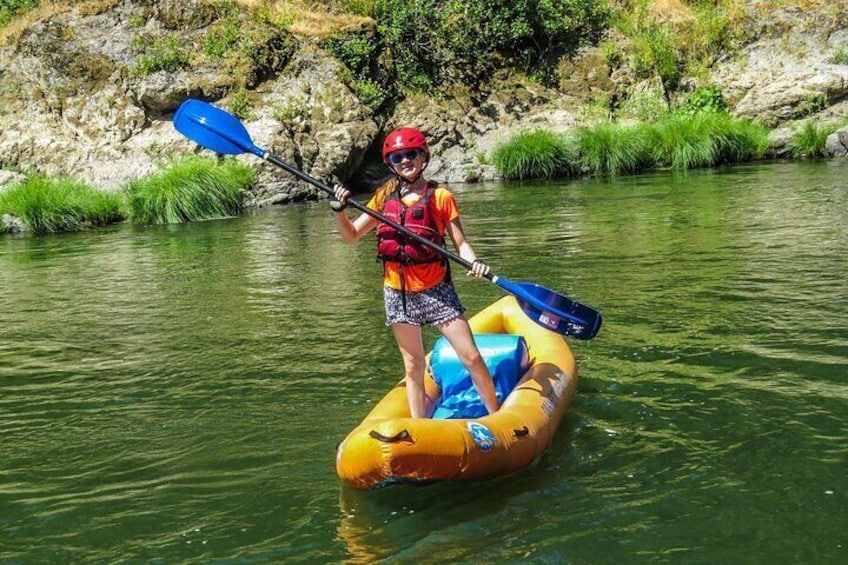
x=220 y=131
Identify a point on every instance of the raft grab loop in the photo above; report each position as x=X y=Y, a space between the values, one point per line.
x=523 y=431
x=402 y=435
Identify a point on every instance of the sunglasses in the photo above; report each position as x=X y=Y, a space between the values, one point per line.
x=398 y=157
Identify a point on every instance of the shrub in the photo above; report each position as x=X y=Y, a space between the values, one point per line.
x=705 y=99
x=355 y=50
x=11 y=8
x=534 y=154
x=64 y=205
x=655 y=52
x=673 y=39
x=221 y=38
x=360 y=52
x=444 y=42
x=371 y=93
x=189 y=189
x=244 y=46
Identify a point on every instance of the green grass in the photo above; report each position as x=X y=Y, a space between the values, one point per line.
x=705 y=139
x=9 y=9
x=839 y=57
x=809 y=141
x=613 y=149
x=160 y=54
x=64 y=205
x=534 y=154
x=189 y=189
x=680 y=141
x=684 y=40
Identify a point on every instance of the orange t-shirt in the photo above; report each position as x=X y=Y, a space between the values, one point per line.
x=424 y=275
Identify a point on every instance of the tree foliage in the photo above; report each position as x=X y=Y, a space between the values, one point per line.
x=11 y=8
x=444 y=42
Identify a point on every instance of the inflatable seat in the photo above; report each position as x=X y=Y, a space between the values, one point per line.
x=505 y=355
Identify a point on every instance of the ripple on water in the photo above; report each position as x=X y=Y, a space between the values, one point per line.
x=177 y=393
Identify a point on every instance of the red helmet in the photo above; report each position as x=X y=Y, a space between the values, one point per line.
x=405 y=138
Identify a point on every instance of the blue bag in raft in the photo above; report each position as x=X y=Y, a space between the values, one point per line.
x=505 y=355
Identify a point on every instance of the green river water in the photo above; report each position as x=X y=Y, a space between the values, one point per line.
x=175 y=394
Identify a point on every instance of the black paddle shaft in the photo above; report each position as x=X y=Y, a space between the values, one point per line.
x=373 y=213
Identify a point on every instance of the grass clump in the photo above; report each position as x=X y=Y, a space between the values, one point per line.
x=612 y=149
x=60 y=205
x=189 y=189
x=839 y=57
x=534 y=154
x=680 y=141
x=684 y=141
x=810 y=140
x=244 y=45
x=159 y=54
x=670 y=39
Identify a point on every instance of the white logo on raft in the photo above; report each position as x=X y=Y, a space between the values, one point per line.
x=552 y=396
x=482 y=436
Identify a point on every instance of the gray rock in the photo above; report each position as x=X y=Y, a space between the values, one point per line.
x=787 y=75
x=8 y=178
x=310 y=119
x=11 y=224
x=837 y=143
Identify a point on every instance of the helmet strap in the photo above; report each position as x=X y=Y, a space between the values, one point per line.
x=404 y=184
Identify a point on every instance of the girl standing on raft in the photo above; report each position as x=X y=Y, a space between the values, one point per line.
x=417 y=288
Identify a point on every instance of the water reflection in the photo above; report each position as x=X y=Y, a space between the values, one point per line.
x=412 y=523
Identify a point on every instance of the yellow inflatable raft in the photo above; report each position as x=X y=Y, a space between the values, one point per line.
x=390 y=447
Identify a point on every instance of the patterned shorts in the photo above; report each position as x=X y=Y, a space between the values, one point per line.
x=431 y=307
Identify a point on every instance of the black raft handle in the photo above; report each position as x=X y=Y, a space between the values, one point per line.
x=522 y=431
x=402 y=435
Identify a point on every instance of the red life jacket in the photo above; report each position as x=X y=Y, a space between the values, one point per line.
x=418 y=218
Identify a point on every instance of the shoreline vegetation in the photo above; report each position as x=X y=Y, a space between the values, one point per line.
x=671 y=44
x=187 y=189
x=193 y=188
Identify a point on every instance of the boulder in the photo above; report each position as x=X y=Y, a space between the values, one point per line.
x=837 y=143
x=787 y=73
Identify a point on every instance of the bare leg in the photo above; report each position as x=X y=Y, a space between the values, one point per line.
x=458 y=333
x=411 y=346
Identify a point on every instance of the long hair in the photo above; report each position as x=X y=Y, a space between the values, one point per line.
x=382 y=192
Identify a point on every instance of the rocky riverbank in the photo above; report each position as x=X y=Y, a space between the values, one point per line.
x=72 y=103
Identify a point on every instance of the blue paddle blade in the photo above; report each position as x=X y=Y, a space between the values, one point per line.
x=214 y=128
x=554 y=311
